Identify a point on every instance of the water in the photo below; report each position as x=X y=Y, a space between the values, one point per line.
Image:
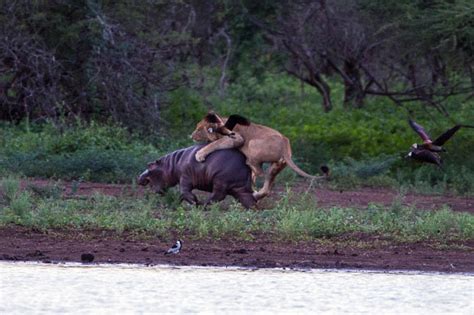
x=27 y=288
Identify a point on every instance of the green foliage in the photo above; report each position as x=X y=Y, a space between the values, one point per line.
x=448 y=26
x=443 y=223
x=48 y=139
x=160 y=65
x=293 y=218
x=361 y=147
x=89 y=165
x=15 y=203
x=48 y=191
x=10 y=188
x=185 y=110
x=91 y=152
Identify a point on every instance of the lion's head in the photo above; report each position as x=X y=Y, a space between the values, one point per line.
x=210 y=129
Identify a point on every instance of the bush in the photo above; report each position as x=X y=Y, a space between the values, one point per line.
x=89 y=152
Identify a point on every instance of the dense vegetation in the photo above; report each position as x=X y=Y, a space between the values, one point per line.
x=122 y=60
x=92 y=90
x=361 y=147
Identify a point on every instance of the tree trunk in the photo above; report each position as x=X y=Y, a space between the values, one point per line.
x=324 y=90
x=354 y=94
x=317 y=81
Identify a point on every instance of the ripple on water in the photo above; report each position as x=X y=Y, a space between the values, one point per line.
x=75 y=288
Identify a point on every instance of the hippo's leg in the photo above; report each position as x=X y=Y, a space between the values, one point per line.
x=246 y=199
x=272 y=172
x=218 y=194
x=244 y=195
x=186 y=187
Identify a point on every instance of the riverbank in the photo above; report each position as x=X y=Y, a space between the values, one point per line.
x=354 y=251
x=307 y=227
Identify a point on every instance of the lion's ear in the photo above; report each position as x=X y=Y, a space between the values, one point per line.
x=213 y=118
x=236 y=119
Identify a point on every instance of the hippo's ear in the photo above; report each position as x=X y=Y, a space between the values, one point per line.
x=213 y=118
x=153 y=165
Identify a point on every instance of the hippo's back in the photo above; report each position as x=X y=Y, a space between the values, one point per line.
x=228 y=160
x=226 y=165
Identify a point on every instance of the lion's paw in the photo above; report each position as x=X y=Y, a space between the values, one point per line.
x=200 y=156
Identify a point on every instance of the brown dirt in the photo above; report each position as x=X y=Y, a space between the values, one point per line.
x=20 y=244
x=357 y=251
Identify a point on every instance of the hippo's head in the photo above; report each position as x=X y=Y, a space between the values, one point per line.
x=153 y=175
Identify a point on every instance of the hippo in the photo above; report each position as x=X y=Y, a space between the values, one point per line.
x=223 y=173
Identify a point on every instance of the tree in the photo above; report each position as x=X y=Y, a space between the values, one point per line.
x=387 y=48
x=91 y=59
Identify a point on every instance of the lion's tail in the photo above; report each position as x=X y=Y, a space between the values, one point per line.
x=293 y=166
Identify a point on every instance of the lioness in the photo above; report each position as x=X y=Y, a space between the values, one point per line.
x=260 y=144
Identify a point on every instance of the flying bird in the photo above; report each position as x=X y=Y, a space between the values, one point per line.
x=425 y=155
x=428 y=150
x=175 y=248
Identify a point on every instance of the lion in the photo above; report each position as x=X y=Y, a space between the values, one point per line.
x=260 y=144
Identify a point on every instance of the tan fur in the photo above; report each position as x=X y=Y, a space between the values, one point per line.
x=260 y=144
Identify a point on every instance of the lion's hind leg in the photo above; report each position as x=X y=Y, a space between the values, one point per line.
x=257 y=171
x=274 y=169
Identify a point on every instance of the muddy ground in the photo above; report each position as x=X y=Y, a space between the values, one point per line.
x=358 y=251
x=21 y=244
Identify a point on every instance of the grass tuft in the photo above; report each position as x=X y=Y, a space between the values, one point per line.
x=295 y=217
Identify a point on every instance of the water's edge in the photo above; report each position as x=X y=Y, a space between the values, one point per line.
x=232 y=268
x=367 y=253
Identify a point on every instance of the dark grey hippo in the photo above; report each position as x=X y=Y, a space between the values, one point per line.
x=223 y=173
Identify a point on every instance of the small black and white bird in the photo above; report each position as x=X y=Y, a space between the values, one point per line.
x=175 y=248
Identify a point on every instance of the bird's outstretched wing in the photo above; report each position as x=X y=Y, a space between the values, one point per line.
x=420 y=131
x=446 y=135
x=428 y=156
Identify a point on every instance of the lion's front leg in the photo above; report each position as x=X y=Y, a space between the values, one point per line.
x=226 y=142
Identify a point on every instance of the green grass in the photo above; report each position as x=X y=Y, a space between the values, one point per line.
x=293 y=217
